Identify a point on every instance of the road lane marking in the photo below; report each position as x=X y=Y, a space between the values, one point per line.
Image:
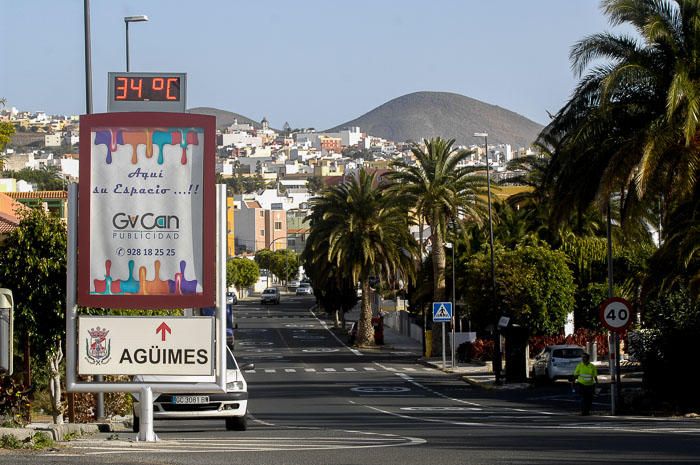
x=325 y=326
x=349 y=369
x=310 y=370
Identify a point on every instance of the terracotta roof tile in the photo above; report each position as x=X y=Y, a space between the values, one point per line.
x=43 y=195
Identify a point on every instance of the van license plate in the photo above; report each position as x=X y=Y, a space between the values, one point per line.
x=191 y=399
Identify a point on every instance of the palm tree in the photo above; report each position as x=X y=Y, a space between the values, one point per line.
x=361 y=229
x=631 y=126
x=631 y=131
x=441 y=191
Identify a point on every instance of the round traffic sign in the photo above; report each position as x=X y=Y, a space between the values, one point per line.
x=616 y=314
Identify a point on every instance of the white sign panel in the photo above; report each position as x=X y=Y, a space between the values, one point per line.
x=147 y=210
x=122 y=345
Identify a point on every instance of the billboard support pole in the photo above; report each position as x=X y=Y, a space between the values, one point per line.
x=146 y=419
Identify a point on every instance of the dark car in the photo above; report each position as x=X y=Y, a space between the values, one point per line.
x=211 y=311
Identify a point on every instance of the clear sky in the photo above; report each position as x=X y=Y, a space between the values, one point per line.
x=313 y=63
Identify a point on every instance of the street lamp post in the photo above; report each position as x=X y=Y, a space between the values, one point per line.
x=273 y=249
x=453 y=246
x=127 y=20
x=497 y=345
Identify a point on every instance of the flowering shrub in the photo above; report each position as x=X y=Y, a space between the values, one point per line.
x=14 y=401
x=479 y=350
x=580 y=337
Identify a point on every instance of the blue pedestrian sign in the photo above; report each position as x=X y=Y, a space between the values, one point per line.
x=442 y=311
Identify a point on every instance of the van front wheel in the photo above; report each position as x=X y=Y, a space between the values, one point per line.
x=236 y=424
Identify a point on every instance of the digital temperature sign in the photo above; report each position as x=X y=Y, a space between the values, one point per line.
x=147 y=92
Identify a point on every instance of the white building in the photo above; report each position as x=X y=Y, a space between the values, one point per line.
x=350 y=136
x=52 y=140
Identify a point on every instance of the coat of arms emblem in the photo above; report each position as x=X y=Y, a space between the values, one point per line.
x=98 y=346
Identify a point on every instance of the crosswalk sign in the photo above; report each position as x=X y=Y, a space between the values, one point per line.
x=442 y=311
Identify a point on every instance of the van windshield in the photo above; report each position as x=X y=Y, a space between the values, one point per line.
x=567 y=353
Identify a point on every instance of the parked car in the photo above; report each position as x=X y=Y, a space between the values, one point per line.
x=231 y=298
x=293 y=284
x=556 y=362
x=231 y=406
x=304 y=289
x=270 y=296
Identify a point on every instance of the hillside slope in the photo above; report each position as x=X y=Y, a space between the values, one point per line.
x=429 y=114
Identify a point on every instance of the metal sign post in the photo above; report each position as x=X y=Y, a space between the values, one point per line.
x=616 y=315
x=442 y=313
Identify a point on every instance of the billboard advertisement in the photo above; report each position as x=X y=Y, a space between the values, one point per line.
x=146 y=234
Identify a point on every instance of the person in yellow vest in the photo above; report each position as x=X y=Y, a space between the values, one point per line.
x=586 y=376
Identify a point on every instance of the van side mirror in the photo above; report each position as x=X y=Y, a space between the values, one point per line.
x=7 y=306
x=247 y=366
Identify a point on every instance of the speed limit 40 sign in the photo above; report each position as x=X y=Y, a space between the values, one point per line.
x=616 y=314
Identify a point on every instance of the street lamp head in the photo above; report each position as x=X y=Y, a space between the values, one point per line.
x=481 y=134
x=135 y=19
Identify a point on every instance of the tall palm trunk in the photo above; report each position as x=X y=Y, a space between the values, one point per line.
x=365 y=331
x=439 y=291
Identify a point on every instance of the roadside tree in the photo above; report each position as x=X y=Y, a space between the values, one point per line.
x=535 y=287
x=241 y=273
x=362 y=229
x=441 y=191
x=33 y=266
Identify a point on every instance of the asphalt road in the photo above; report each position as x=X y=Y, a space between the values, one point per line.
x=313 y=400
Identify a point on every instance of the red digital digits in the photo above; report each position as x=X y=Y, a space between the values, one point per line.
x=138 y=88
x=147 y=88
x=167 y=94
x=120 y=86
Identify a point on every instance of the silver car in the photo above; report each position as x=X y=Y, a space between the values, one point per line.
x=270 y=296
x=556 y=362
x=304 y=289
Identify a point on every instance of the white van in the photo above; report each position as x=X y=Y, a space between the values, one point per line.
x=232 y=406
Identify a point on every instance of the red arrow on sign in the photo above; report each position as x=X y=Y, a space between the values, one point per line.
x=163 y=327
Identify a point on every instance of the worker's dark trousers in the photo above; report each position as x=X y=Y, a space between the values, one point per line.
x=586 y=393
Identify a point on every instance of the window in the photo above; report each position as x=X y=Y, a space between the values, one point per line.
x=262 y=232
x=262 y=213
x=278 y=225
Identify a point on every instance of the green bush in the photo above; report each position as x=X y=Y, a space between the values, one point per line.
x=14 y=400
x=42 y=441
x=666 y=345
x=9 y=441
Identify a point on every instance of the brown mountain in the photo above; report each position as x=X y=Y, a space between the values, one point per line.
x=224 y=118
x=419 y=115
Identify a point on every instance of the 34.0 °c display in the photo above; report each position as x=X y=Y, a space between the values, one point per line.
x=147 y=89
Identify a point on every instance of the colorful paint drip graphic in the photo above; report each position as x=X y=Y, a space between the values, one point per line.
x=179 y=285
x=113 y=138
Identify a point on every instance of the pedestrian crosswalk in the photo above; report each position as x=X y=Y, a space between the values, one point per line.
x=412 y=370
x=243 y=443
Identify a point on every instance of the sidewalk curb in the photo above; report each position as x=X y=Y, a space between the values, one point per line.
x=57 y=432
x=475 y=383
